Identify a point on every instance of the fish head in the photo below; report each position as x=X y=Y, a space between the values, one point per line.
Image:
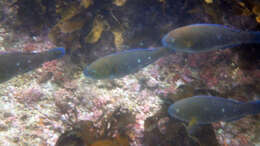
x=168 y=41
x=95 y=71
x=176 y=112
x=181 y=112
x=172 y=111
x=91 y=73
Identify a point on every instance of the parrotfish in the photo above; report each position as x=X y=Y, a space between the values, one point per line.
x=209 y=109
x=15 y=63
x=123 y=63
x=207 y=37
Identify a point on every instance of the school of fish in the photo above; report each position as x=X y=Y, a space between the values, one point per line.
x=194 y=38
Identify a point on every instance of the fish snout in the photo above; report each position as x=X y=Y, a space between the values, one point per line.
x=168 y=42
x=171 y=111
x=90 y=73
x=86 y=72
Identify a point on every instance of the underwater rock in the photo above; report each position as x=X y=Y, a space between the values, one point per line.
x=118 y=141
x=206 y=135
x=110 y=132
x=69 y=139
x=174 y=133
x=31 y=15
x=68 y=11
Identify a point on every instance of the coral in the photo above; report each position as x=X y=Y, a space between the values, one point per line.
x=29 y=96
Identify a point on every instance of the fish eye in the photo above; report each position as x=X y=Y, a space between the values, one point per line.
x=171 y=40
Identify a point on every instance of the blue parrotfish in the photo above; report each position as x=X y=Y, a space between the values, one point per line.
x=208 y=109
x=207 y=37
x=123 y=63
x=14 y=63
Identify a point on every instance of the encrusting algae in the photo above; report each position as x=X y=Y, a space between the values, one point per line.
x=119 y=2
x=69 y=11
x=209 y=1
x=96 y=31
x=118 y=38
x=86 y=3
x=256 y=11
x=71 y=25
x=118 y=141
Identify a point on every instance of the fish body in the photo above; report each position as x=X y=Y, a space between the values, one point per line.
x=123 y=63
x=207 y=37
x=209 y=109
x=15 y=63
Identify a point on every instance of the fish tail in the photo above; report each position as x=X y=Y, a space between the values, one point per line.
x=57 y=52
x=253 y=107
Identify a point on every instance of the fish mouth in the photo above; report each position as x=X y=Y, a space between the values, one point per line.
x=86 y=72
x=171 y=110
x=164 y=40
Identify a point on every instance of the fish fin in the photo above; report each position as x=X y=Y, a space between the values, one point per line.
x=192 y=122
x=230 y=46
x=252 y=107
x=192 y=125
x=217 y=25
x=234 y=100
x=234 y=118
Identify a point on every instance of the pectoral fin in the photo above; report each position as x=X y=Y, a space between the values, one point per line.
x=192 y=122
x=192 y=126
